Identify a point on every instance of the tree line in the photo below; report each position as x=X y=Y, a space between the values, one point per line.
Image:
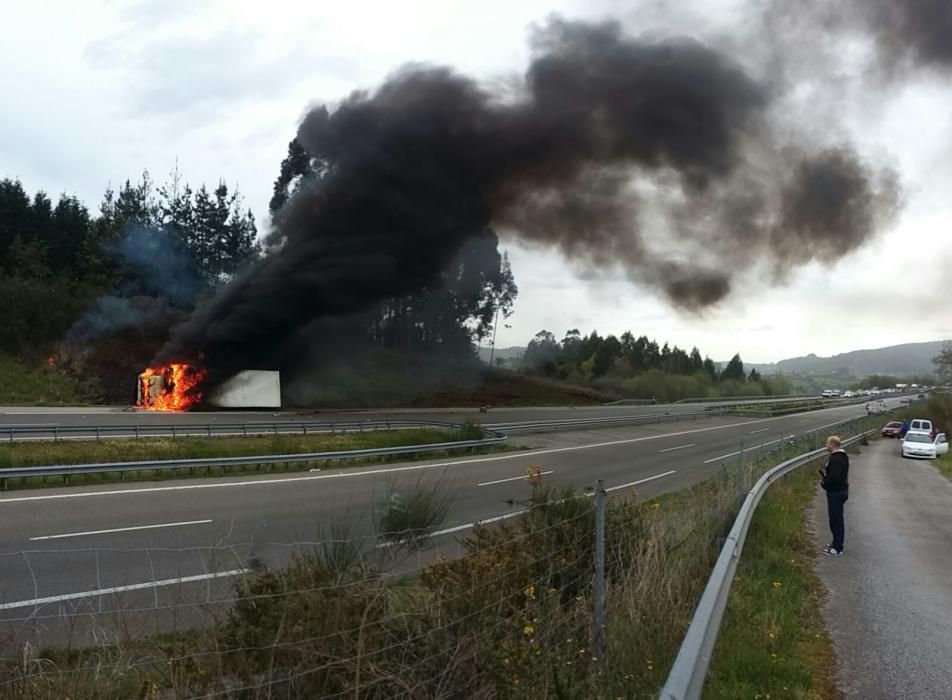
x=641 y=368
x=97 y=291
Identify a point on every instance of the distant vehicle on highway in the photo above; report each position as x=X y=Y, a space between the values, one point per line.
x=893 y=429
x=923 y=445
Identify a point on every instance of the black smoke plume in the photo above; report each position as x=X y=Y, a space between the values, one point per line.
x=608 y=142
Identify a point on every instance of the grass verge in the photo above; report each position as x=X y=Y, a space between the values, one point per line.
x=29 y=454
x=773 y=642
x=944 y=465
x=25 y=385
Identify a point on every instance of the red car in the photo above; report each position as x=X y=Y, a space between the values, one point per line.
x=892 y=429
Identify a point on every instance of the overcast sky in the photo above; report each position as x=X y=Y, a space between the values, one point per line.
x=95 y=92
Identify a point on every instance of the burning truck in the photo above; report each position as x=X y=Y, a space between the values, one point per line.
x=182 y=387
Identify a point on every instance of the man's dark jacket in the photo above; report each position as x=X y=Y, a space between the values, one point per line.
x=837 y=472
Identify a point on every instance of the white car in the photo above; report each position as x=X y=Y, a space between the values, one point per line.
x=921 y=445
x=920 y=425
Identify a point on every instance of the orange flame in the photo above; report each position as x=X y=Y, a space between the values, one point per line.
x=179 y=387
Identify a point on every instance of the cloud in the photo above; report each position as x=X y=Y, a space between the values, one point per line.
x=204 y=76
x=150 y=14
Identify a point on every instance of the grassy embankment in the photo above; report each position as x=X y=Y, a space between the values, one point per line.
x=29 y=454
x=25 y=385
x=511 y=619
x=773 y=642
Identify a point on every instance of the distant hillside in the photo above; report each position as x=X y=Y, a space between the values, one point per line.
x=510 y=353
x=900 y=360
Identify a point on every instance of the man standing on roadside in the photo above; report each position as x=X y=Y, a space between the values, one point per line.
x=834 y=480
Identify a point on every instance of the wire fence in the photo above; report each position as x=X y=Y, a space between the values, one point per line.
x=523 y=607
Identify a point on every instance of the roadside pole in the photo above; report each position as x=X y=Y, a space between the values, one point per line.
x=598 y=636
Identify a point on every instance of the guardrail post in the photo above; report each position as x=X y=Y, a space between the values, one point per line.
x=209 y=430
x=173 y=431
x=97 y=432
x=598 y=636
x=137 y=431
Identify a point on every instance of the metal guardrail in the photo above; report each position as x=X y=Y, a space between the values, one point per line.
x=211 y=429
x=687 y=676
x=174 y=430
x=722 y=399
x=221 y=463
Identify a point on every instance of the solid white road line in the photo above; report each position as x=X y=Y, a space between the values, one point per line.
x=119 y=529
x=640 y=481
x=376 y=472
x=762 y=430
x=514 y=478
x=120 y=589
x=680 y=447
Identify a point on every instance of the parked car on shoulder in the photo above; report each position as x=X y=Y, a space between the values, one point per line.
x=923 y=445
x=922 y=425
x=892 y=429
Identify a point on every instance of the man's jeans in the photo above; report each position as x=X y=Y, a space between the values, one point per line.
x=834 y=506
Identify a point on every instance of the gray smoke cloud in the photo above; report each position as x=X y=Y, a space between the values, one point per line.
x=156 y=264
x=608 y=140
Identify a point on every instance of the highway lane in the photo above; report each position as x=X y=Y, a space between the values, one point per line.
x=59 y=542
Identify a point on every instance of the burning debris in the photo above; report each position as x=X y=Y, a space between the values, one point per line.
x=172 y=387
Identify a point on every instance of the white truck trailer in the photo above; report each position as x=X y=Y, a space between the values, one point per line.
x=251 y=388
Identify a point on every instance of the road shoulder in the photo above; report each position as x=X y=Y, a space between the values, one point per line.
x=888 y=609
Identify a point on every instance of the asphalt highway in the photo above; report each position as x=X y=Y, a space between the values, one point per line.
x=69 y=549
